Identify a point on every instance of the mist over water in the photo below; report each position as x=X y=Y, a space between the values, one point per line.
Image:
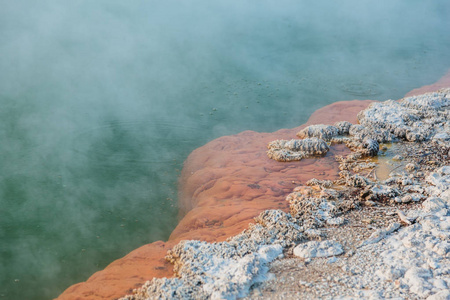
x=101 y=102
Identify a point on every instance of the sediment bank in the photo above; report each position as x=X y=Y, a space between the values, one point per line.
x=223 y=186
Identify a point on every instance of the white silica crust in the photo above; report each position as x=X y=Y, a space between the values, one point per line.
x=414 y=118
x=225 y=270
x=418 y=257
x=318 y=249
x=321 y=131
x=290 y=150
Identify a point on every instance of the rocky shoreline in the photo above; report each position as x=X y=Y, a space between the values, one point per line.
x=407 y=257
x=230 y=181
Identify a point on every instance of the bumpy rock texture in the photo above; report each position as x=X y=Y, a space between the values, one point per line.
x=225 y=270
x=417 y=259
x=414 y=119
x=324 y=132
x=318 y=249
x=282 y=150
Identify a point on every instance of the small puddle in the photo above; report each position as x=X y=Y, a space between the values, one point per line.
x=386 y=161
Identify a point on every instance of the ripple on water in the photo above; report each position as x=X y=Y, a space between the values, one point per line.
x=131 y=143
x=362 y=89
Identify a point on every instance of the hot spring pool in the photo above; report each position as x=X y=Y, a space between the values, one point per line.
x=102 y=101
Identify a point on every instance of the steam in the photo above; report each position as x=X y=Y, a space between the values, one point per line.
x=101 y=101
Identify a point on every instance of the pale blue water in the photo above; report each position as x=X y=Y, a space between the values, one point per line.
x=101 y=101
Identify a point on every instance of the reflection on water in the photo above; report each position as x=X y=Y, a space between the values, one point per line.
x=101 y=102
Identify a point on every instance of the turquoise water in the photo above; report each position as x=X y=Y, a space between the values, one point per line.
x=102 y=102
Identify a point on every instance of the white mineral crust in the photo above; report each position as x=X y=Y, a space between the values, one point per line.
x=318 y=249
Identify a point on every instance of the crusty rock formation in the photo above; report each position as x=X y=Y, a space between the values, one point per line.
x=283 y=150
x=224 y=270
x=318 y=249
x=343 y=127
x=414 y=119
x=324 y=132
x=314 y=207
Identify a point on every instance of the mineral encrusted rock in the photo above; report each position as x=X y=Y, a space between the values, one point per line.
x=324 y=132
x=284 y=150
x=225 y=270
x=321 y=183
x=343 y=127
x=318 y=249
x=419 y=254
x=313 y=208
x=414 y=119
x=380 y=234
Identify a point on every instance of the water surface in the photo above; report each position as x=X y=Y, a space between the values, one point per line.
x=102 y=101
